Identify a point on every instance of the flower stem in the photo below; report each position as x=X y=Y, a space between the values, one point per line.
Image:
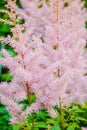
x=62 y=115
x=32 y=121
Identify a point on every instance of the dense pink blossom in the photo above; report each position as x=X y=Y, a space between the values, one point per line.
x=50 y=60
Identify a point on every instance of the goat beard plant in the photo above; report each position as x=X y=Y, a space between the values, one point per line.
x=50 y=60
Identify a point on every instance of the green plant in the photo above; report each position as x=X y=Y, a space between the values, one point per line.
x=4 y=118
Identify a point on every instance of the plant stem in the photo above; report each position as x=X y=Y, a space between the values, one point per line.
x=32 y=121
x=62 y=116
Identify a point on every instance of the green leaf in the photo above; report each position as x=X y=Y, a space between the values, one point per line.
x=73 y=126
x=41 y=125
x=50 y=121
x=15 y=127
x=5 y=28
x=56 y=127
x=81 y=119
x=6 y=77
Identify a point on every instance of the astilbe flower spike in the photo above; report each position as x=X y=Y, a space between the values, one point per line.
x=50 y=60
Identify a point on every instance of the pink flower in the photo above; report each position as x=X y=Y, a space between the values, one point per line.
x=51 y=59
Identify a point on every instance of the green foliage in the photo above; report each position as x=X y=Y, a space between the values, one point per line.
x=86 y=24
x=5 y=77
x=4 y=118
x=72 y=118
x=85 y=1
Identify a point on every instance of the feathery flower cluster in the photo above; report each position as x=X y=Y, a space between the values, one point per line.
x=50 y=60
